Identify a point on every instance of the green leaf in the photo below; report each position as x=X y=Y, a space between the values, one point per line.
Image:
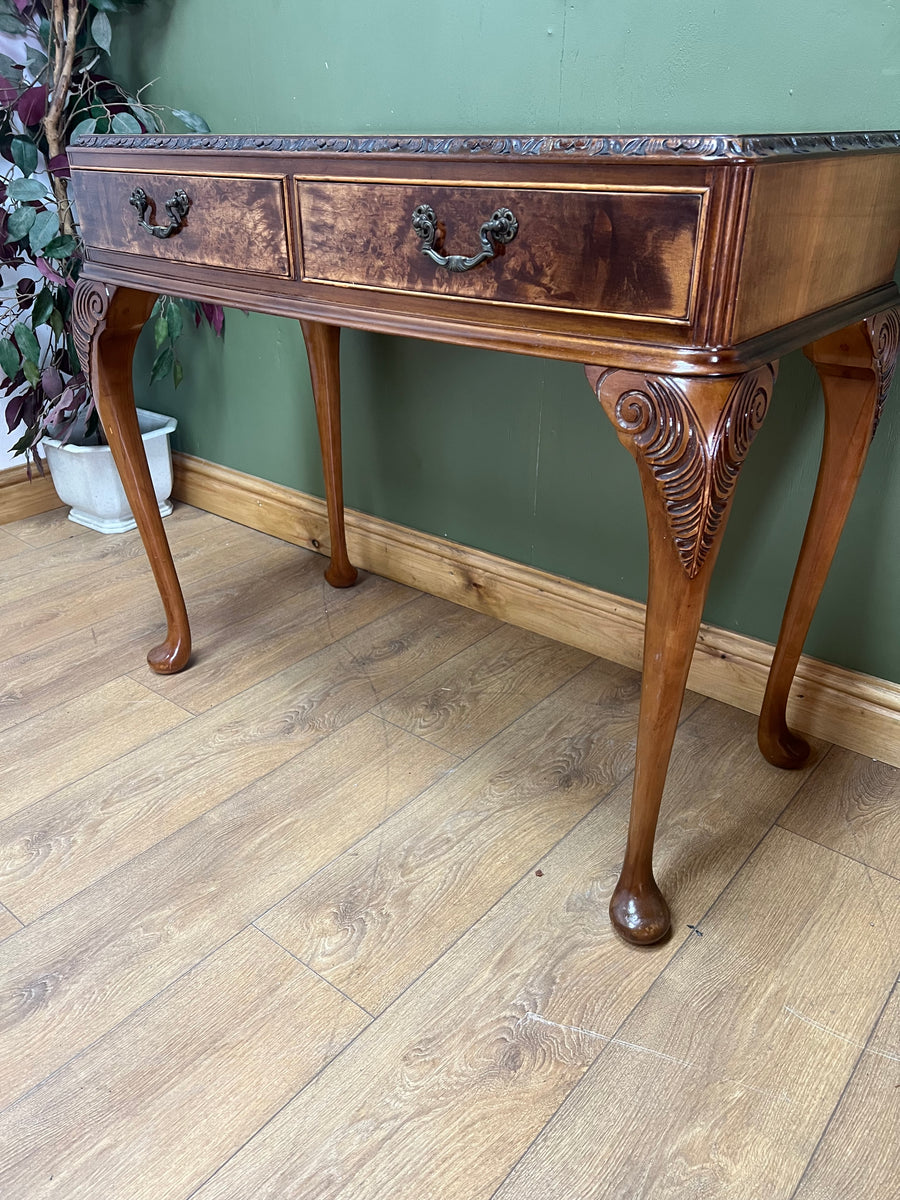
x=60 y=247
x=32 y=372
x=36 y=60
x=27 y=343
x=20 y=222
x=57 y=323
x=162 y=364
x=43 y=306
x=124 y=122
x=160 y=331
x=44 y=230
x=174 y=320
x=9 y=358
x=8 y=69
x=101 y=31
x=177 y=372
x=192 y=120
x=26 y=189
x=11 y=24
x=147 y=117
x=88 y=125
x=25 y=155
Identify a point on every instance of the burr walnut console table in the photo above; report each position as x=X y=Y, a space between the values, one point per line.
x=677 y=271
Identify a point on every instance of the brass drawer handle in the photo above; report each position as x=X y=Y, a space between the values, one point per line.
x=501 y=228
x=176 y=208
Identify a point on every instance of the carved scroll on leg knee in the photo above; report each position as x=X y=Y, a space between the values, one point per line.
x=106 y=325
x=689 y=437
x=855 y=366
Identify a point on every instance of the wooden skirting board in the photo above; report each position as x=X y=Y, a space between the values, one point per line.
x=853 y=710
x=22 y=497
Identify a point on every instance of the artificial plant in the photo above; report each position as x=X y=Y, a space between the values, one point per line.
x=53 y=87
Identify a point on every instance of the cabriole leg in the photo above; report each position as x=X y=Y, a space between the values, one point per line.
x=106 y=323
x=689 y=437
x=323 y=350
x=855 y=366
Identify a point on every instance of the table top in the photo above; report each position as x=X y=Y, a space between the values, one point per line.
x=678 y=254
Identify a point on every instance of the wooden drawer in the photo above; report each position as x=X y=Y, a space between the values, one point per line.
x=231 y=218
x=630 y=253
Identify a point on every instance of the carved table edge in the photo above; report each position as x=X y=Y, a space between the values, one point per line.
x=712 y=147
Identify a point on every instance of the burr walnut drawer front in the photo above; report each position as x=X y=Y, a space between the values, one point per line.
x=205 y=220
x=591 y=250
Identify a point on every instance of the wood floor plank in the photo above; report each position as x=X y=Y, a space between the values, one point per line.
x=149 y=1111
x=32 y=613
x=445 y=1089
x=88 y=828
x=70 y=977
x=10 y=546
x=465 y=702
x=45 y=528
x=377 y=916
x=8 y=923
x=236 y=654
x=55 y=671
x=76 y=738
x=66 y=568
x=854 y=808
x=860 y=1153
x=68 y=558
x=732 y=1059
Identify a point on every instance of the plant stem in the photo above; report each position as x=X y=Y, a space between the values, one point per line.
x=65 y=21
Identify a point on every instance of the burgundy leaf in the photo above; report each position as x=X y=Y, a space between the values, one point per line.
x=62 y=413
x=215 y=314
x=59 y=166
x=47 y=271
x=32 y=104
x=51 y=381
x=31 y=406
x=14 y=413
x=21 y=5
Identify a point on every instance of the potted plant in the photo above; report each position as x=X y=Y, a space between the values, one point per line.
x=54 y=86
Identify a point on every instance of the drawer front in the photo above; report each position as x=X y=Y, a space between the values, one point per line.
x=621 y=253
x=232 y=221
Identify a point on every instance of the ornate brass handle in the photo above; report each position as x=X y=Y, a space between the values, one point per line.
x=176 y=208
x=501 y=228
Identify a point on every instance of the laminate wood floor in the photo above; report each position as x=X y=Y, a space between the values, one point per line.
x=324 y=917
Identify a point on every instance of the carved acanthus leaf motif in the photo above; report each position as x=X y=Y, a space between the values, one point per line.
x=640 y=146
x=89 y=307
x=694 y=470
x=884 y=332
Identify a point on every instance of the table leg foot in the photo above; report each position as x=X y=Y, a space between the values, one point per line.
x=170 y=656
x=855 y=366
x=323 y=351
x=780 y=745
x=341 y=574
x=689 y=437
x=638 y=911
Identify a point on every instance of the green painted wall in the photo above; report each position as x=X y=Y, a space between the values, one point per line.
x=513 y=454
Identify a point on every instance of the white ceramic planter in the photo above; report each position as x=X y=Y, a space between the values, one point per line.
x=86 y=478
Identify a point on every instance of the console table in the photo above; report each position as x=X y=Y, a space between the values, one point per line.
x=676 y=270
